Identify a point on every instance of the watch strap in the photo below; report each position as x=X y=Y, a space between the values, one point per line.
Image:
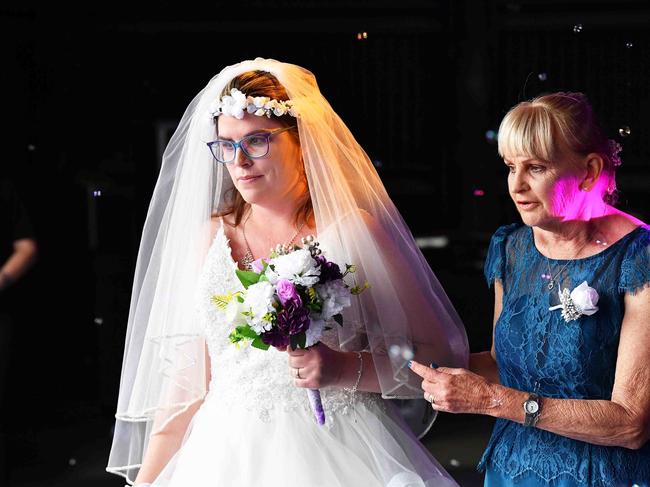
x=531 y=418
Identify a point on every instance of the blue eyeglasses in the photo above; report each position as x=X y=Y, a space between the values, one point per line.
x=254 y=146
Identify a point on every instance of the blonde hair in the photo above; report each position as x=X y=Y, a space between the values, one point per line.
x=262 y=83
x=554 y=126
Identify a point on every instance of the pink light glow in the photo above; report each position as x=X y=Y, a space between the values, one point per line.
x=479 y=192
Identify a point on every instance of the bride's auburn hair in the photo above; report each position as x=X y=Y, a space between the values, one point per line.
x=262 y=83
x=556 y=126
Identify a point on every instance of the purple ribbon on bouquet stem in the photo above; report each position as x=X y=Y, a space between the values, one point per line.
x=316 y=405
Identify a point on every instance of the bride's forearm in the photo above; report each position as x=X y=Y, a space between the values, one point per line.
x=164 y=444
x=360 y=371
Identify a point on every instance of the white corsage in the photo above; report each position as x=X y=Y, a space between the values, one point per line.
x=581 y=301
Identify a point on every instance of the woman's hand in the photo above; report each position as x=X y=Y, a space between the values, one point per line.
x=456 y=390
x=318 y=366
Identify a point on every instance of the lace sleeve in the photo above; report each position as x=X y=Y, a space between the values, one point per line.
x=635 y=268
x=495 y=262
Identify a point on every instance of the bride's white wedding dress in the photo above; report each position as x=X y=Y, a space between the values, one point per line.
x=255 y=428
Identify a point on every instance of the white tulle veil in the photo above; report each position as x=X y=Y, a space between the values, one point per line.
x=405 y=310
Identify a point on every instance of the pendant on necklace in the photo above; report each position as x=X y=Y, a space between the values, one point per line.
x=247 y=261
x=550 y=285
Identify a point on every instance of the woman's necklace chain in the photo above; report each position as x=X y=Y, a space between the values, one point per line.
x=248 y=259
x=551 y=278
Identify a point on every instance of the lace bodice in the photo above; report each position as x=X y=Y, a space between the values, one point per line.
x=537 y=350
x=248 y=377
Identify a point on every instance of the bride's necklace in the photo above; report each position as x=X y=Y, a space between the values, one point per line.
x=551 y=278
x=248 y=259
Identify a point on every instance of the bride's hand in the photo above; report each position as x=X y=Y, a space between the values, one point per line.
x=317 y=366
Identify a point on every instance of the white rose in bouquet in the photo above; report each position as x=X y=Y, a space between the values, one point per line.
x=299 y=267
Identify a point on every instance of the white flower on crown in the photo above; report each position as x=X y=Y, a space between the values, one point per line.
x=234 y=104
x=237 y=104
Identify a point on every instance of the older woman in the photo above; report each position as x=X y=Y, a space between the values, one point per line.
x=568 y=376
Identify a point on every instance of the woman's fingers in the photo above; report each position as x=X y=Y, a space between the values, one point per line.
x=451 y=371
x=427 y=373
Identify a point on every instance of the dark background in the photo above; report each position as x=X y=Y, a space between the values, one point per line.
x=90 y=95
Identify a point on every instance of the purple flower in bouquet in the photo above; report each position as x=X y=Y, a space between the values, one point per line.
x=258 y=265
x=287 y=292
x=275 y=338
x=293 y=319
x=329 y=271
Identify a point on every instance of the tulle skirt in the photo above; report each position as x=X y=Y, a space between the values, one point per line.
x=368 y=446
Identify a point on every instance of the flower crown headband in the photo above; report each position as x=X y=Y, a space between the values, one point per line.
x=237 y=104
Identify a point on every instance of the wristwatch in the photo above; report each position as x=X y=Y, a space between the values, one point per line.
x=532 y=407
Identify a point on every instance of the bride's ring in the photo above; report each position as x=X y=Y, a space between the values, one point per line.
x=430 y=398
x=297 y=369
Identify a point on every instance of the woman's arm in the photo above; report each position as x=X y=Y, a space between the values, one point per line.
x=622 y=421
x=484 y=363
x=164 y=444
x=22 y=259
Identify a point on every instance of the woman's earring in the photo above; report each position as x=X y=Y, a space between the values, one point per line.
x=582 y=188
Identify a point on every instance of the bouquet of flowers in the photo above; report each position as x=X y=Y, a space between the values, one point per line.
x=289 y=300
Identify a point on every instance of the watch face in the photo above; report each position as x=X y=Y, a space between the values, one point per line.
x=531 y=407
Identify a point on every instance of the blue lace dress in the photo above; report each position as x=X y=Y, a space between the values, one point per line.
x=536 y=350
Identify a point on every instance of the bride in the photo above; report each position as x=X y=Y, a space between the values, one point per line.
x=260 y=159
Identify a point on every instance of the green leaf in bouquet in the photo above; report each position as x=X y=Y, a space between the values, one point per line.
x=246 y=331
x=263 y=278
x=247 y=278
x=234 y=337
x=302 y=340
x=242 y=332
x=258 y=343
x=295 y=341
x=315 y=307
x=338 y=318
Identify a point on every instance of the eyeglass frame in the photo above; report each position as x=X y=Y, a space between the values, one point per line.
x=237 y=144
